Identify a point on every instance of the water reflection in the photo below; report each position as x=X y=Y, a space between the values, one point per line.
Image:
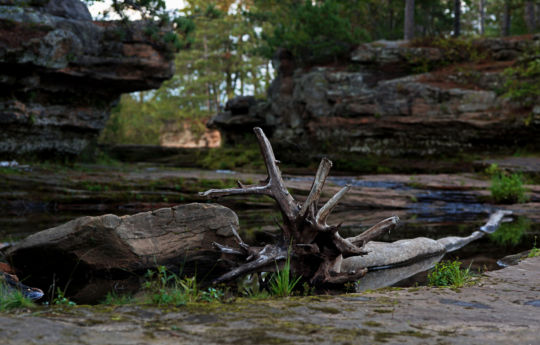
x=388 y=277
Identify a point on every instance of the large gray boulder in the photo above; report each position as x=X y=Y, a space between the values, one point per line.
x=89 y=250
x=71 y=9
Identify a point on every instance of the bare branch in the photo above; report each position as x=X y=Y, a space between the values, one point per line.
x=279 y=192
x=345 y=247
x=227 y=250
x=268 y=255
x=323 y=213
x=241 y=243
x=375 y=231
x=216 y=193
x=317 y=186
x=268 y=154
x=494 y=221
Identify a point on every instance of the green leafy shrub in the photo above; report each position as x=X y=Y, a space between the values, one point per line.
x=449 y=273
x=522 y=82
x=507 y=189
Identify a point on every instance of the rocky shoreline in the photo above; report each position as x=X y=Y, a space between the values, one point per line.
x=499 y=308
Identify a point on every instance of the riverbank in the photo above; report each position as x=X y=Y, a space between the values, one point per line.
x=500 y=308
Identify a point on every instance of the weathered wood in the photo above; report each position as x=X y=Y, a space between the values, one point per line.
x=375 y=231
x=318 y=184
x=316 y=248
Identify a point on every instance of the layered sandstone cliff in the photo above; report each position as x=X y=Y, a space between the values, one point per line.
x=61 y=72
x=395 y=99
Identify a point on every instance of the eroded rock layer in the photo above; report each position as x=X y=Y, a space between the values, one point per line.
x=395 y=99
x=61 y=72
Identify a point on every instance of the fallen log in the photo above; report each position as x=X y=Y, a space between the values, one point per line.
x=385 y=255
x=316 y=249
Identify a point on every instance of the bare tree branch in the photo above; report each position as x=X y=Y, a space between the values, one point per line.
x=268 y=255
x=227 y=250
x=345 y=247
x=375 y=231
x=216 y=193
x=323 y=213
x=316 y=249
x=317 y=186
x=287 y=204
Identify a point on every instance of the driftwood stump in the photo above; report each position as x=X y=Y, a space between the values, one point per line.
x=316 y=249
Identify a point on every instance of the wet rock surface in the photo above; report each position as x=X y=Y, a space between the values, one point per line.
x=499 y=309
x=392 y=99
x=61 y=73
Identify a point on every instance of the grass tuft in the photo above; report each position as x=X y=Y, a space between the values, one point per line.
x=282 y=284
x=449 y=273
x=507 y=189
x=13 y=299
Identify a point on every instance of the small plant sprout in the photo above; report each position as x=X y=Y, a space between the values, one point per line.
x=534 y=251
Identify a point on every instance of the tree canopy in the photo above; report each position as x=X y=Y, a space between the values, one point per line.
x=225 y=47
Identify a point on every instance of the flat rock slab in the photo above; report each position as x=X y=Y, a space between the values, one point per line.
x=502 y=308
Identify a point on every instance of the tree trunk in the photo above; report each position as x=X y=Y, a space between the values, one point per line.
x=391 y=21
x=457 y=18
x=482 y=17
x=506 y=19
x=409 y=19
x=530 y=18
x=208 y=93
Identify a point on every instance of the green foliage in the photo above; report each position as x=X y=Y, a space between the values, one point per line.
x=313 y=32
x=507 y=188
x=13 y=299
x=166 y=288
x=511 y=233
x=218 y=63
x=162 y=26
x=231 y=158
x=449 y=273
x=493 y=169
x=522 y=84
x=132 y=122
x=282 y=283
x=453 y=50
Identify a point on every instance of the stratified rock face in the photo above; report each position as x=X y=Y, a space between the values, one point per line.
x=60 y=74
x=381 y=103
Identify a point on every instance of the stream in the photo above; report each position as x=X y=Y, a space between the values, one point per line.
x=424 y=211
